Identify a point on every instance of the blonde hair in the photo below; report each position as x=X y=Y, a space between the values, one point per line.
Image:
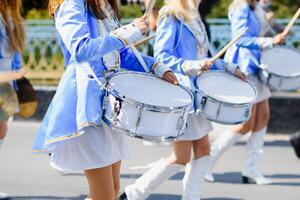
x=186 y=9
x=236 y=4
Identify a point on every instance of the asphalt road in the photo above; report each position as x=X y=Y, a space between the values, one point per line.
x=28 y=176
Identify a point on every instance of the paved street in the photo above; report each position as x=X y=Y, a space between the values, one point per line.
x=27 y=176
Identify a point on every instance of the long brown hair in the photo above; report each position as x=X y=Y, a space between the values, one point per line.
x=11 y=13
x=93 y=5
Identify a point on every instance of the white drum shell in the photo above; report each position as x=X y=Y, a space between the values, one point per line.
x=143 y=121
x=220 y=111
x=279 y=83
x=288 y=60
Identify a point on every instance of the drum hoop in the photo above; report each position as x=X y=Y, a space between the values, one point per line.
x=224 y=122
x=198 y=90
x=148 y=106
x=135 y=135
x=278 y=75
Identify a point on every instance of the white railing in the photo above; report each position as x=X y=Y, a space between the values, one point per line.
x=45 y=62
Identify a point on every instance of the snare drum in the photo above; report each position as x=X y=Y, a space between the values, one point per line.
x=280 y=68
x=144 y=106
x=224 y=98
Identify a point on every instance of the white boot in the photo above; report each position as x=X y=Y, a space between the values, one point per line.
x=218 y=147
x=3 y=196
x=154 y=177
x=194 y=178
x=253 y=153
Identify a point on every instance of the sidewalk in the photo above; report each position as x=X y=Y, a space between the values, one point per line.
x=27 y=176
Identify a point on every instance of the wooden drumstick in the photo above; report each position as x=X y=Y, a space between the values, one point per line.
x=12 y=75
x=150 y=7
x=291 y=23
x=223 y=51
x=144 y=40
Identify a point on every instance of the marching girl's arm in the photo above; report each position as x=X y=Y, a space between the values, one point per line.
x=71 y=24
x=229 y=67
x=239 y=21
x=165 y=43
x=129 y=61
x=17 y=61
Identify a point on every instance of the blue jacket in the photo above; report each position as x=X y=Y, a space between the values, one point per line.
x=175 y=44
x=8 y=60
x=250 y=44
x=78 y=100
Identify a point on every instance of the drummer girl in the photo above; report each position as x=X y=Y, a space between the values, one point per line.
x=11 y=44
x=246 y=53
x=182 y=43
x=72 y=130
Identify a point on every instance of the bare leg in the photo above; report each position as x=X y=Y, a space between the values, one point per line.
x=3 y=129
x=201 y=147
x=243 y=129
x=262 y=115
x=181 y=153
x=116 y=177
x=101 y=184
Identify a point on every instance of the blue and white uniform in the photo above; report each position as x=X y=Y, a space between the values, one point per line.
x=247 y=51
x=8 y=61
x=72 y=129
x=180 y=44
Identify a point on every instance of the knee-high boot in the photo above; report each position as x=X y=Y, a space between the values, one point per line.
x=218 y=147
x=146 y=184
x=194 y=178
x=254 y=150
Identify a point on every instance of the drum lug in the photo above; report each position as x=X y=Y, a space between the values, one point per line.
x=116 y=109
x=138 y=122
x=180 y=123
x=203 y=103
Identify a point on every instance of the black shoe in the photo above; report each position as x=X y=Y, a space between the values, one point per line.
x=295 y=142
x=123 y=196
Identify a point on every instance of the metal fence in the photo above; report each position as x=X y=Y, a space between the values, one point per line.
x=44 y=59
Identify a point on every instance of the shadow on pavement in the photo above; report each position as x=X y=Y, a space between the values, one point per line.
x=277 y=143
x=178 y=176
x=229 y=177
x=178 y=197
x=285 y=176
x=164 y=197
x=80 y=197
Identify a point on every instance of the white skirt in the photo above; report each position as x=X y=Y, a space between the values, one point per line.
x=197 y=128
x=96 y=148
x=263 y=91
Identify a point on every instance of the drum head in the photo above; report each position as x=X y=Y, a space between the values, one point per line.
x=226 y=87
x=150 y=90
x=281 y=61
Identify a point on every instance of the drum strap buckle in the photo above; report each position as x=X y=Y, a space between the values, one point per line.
x=203 y=103
x=116 y=109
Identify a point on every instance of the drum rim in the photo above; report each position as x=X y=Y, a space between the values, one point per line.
x=143 y=137
x=198 y=90
x=144 y=105
x=278 y=75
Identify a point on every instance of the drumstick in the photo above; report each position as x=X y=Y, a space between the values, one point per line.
x=291 y=23
x=12 y=75
x=142 y=41
x=150 y=7
x=222 y=51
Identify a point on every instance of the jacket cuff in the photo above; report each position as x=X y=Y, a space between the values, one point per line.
x=192 y=67
x=128 y=34
x=160 y=69
x=231 y=67
x=265 y=42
